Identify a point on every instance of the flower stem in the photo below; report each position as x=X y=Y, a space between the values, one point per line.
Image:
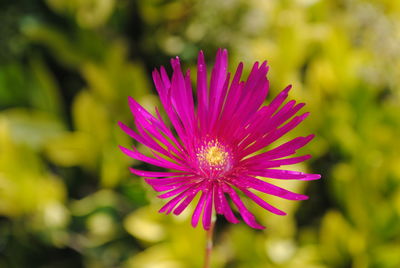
x=209 y=244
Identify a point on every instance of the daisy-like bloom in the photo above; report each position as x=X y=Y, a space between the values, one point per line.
x=213 y=148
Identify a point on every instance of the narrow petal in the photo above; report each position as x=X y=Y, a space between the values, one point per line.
x=283 y=150
x=149 y=142
x=273 y=136
x=170 y=205
x=222 y=205
x=178 y=188
x=261 y=163
x=264 y=121
x=287 y=112
x=218 y=77
x=164 y=92
x=279 y=99
x=202 y=92
x=285 y=174
x=217 y=201
x=216 y=112
x=218 y=87
x=147 y=123
x=144 y=173
x=174 y=187
x=254 y=91
x=141 y=157
x=198 y=209
x=189 y=198
x=265 y=187
x=233 y=95
x=247 y=216
x=262 y=203
x=168 y=181
x=181 y=97
x=207 y=215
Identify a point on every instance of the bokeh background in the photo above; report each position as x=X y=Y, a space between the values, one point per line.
x=67 y=67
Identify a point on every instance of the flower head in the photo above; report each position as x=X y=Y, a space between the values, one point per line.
x=213 y=148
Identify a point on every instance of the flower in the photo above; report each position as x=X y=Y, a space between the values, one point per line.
x=214 y=147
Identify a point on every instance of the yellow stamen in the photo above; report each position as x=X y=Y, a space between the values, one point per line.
x=215 y=156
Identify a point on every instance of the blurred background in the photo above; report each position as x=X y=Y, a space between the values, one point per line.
x=67 y=66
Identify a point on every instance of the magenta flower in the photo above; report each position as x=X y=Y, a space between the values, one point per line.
x=213 y=148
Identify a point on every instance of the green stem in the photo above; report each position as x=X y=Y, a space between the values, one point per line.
x=209 y=244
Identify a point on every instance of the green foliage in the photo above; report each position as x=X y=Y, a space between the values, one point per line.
x=67 y=67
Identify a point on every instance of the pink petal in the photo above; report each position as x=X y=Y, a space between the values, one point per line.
x=181 y=98
x=202 y=91
x=273 y=136
x=262 y=203
x=198 y=209
x=189 y=198
x=144 y=173
x=208 y=208
x=225 y=209
x=141 y=157
x=265 y=187
x=261 y=163
x=247 y=216
x=176 y=189
x=167 y=208
x=149 y=142
x=283 y=150
x=285 y=174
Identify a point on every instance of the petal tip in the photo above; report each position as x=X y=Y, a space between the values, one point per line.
x=302 y=197
x=133 y=171
x=287 y=89
x=257 y=226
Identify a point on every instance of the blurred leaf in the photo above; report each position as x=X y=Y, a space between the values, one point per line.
x=88 y=14
x=31 y=127
x=72 y=149
x=47 y=97
x=141 y=225
x=91 y=117
x=24 y=190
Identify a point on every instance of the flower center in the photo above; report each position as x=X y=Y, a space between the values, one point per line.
x=214 y=158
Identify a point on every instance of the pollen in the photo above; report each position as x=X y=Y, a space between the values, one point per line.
x=215 y=156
